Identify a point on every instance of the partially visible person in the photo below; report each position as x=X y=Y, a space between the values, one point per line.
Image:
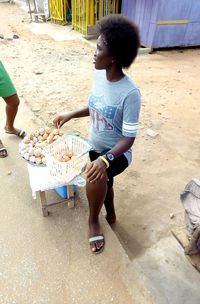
x=114 y=107
x=9 y=94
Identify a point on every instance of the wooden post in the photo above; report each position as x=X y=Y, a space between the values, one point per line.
x=91 y=12
x=44 y=203
x=70 y=192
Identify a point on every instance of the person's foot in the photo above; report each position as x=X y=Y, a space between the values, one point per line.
x=3 y=151
x=18 y=132
x=96 y=239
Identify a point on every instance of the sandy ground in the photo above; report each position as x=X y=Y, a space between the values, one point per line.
x=56 y=76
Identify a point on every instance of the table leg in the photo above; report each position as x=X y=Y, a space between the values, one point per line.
x=70 y=191
x=44 y=203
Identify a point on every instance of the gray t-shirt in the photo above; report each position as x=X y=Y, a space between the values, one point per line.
x=114 y=110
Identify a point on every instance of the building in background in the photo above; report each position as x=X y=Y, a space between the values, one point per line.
x=165 y=23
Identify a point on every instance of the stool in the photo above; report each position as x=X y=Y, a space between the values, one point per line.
x=45 y=206
x=41 y=181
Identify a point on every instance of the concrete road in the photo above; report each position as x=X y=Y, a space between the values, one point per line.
x=47 y=260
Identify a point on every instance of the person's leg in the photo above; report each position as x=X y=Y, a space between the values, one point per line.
x=12 y=103
x=9 y=94
x=117 y=167
x=96 y=193
x=3 y=151
x=109 y=206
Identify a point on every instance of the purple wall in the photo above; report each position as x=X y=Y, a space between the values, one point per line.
x=146 y=13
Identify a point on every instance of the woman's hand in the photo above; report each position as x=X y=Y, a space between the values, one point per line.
x=95 y=170
x=61 y=119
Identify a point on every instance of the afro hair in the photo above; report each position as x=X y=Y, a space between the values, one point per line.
x=122 y=38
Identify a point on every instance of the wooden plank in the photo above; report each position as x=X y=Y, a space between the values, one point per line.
x=70 y=191
x=43 y=203
x=172 y=21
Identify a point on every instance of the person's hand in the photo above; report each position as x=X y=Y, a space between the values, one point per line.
x=95 y=170
x=61 y=119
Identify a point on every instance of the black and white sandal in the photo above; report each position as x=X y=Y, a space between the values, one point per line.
x=2 y=155
x=20 y=134
x=94 y=240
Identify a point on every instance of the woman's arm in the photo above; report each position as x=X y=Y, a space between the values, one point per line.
x=122 y=146
x=60 y=120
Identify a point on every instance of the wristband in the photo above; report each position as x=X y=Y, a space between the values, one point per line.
x=105 y=161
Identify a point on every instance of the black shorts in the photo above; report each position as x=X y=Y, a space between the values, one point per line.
x=117 y=166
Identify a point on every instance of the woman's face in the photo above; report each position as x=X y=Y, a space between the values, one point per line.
x=102 y=58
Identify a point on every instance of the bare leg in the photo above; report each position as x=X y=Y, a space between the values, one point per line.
x=96 y=193
x=109 y=205
x=12 y=103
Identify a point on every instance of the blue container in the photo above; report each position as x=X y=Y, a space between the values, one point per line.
x=62 y=191
x=165 y=23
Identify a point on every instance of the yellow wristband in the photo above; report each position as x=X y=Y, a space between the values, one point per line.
x=105 y=161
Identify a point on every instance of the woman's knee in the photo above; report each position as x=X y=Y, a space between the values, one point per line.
x=98 y=185
x=12 y=101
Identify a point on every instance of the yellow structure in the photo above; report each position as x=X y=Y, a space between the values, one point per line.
x=86 y=13
x=58 y=11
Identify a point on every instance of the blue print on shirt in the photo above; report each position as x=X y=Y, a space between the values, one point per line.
x=101 y=113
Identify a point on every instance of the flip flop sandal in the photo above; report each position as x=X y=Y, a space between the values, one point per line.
x=94 y=240
x=20 y=134
x=3 y=155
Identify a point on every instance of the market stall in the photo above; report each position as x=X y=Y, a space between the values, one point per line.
x=54 y=161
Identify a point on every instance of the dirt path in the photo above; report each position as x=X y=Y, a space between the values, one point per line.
x=56 y=76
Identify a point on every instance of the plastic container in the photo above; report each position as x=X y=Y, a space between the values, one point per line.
x=62 y=191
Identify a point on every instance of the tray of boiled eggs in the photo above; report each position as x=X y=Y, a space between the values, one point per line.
x=31 y=147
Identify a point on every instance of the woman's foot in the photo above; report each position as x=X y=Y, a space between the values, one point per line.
x=96 y=239
x=3 y=151
x=18 y=132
